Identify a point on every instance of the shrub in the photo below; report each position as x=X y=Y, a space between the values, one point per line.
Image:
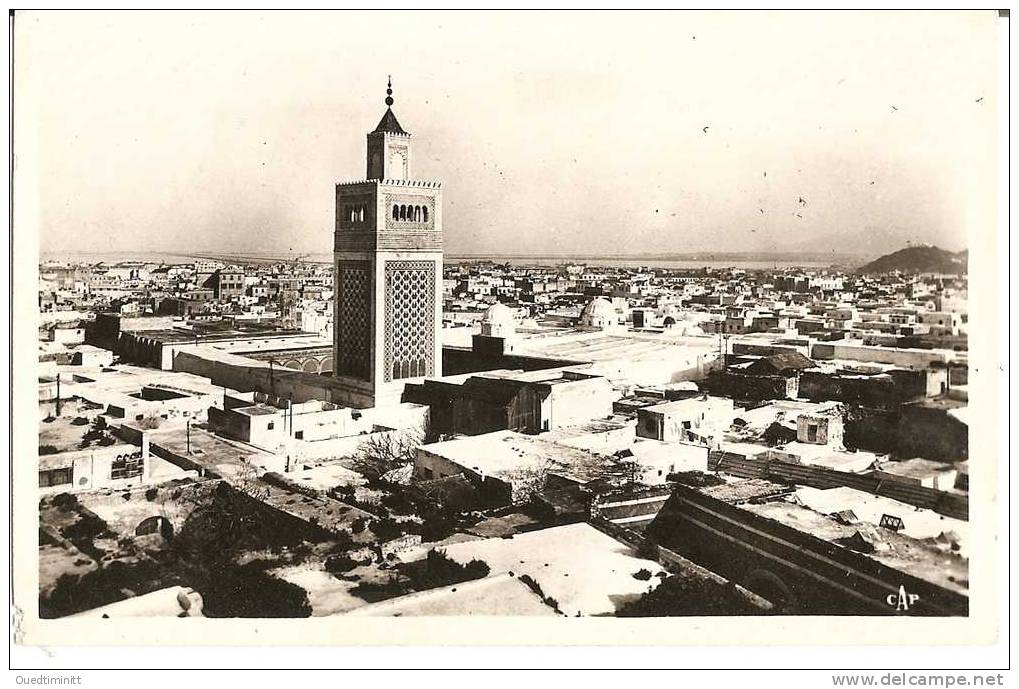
x=358 y=525
x=65 y=501
x=247 y=591
x=387 y=529
x=85 y=529
x=534 y=586
x=642 y=574
x=439 y=569
x=398 y=503
x=437 y=526
x=151 y=493
x=648 y=549
x=338 y=564
x=373 y=592
x=688 y=595
x=343 y=493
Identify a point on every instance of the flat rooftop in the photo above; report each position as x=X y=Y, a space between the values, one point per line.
x=502 y=594
x=508 y=454
x=583 y=569
x=915 y=468
x=605 y=347
x=918 y=558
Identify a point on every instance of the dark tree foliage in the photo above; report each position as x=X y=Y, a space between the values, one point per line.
x=75 y=593
x=440 y=570
x=247 y=591
x=84 y=530
x=684 y=595
x=338 y=564
x=696 y=479
x=204 y=555
x=387 y=529
x=648 y=548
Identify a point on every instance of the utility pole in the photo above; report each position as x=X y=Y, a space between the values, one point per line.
x=189 y=436
x=58 y=394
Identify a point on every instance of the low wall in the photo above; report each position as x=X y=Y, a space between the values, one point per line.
x=749 y=388
x=949 y=504
x=808 y=575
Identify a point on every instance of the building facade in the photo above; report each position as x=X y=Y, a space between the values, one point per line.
x=388 y=273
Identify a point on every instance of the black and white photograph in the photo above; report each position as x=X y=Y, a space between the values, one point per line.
x=467 y=324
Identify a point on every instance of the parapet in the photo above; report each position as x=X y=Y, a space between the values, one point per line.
x=423 y=184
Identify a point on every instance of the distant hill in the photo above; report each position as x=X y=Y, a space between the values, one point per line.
x=919 y=259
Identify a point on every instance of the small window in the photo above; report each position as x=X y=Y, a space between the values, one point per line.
x=272 y=425
x=424 y=213
x=396 y=212
x=812 y=433
x=55 y=477
x=299 y=435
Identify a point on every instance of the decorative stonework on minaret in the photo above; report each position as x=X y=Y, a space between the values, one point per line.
x=387 y=272
x=389 y=146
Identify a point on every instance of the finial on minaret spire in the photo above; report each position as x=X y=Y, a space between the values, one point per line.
x=389 y=91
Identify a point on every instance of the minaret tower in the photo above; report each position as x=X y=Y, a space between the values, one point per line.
x=387 y=274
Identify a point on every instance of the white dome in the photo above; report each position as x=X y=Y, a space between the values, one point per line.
x=498 y=314
x=498 y=321
x=599 y=308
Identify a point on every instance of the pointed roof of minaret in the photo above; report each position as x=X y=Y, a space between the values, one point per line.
x=388 y=123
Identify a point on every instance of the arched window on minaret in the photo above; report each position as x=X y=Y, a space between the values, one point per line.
x=396 y=212
x=417 y=213
x=360 y=214
x=424 y=213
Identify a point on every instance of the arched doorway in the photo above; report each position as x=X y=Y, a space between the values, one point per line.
x=151 y=525
x=769 y=586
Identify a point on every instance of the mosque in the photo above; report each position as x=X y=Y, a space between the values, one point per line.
x=387 y=263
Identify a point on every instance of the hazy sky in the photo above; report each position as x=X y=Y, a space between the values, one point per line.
x=564 y=132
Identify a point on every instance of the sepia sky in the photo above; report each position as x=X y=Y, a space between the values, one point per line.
x=551 y=132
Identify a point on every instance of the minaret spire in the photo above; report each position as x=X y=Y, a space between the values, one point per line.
x=388 y=123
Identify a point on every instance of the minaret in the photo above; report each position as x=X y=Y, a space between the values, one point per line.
x=387 y=274
x=389 y=145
